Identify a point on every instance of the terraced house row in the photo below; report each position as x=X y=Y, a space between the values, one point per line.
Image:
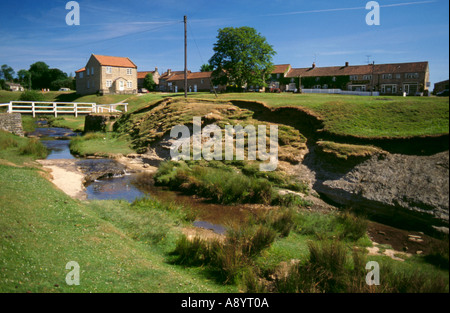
x=119 y=75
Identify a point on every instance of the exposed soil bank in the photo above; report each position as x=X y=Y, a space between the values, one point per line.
x=406 y=187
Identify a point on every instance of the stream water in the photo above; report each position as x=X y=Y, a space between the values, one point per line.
x=117 y=183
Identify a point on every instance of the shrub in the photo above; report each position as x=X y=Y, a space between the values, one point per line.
x=283 y=222
x=353 y=227
x=31 y=95
x=290 y=200
x=7 y=140
x=262 y=239
x=190 y=252
x=220 y=185
x=34 y=148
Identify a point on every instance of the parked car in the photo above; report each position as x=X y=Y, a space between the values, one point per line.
x=64 y=89
x=143 y=90
x=275 y=90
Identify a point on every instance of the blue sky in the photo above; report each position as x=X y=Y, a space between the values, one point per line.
x=150 y=32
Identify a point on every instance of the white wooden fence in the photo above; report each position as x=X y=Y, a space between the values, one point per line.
x=39 y=107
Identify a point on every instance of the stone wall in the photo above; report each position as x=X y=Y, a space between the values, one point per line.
x=11 y=123
x=99 y=122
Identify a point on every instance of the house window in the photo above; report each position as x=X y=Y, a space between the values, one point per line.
x=412 y=75
x=92 y=70
x=108 y=83
x=88 y=84
x=203 y=81
x=80 y=75
x=129 y=71
x=398 y=76
x=278 y=75
x=334 y=79
x=387 y=76
x=389 y=89
x=354 y=77
x=87 y=71
x=367 y=77
x=317 y=79
x=108 y=70
x=129 y=84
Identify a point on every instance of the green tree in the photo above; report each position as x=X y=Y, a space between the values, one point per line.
x=149 y=83
x=24 y=78
x=206 y=68
x=7 y=72
x=39 y=75
x=244 y=55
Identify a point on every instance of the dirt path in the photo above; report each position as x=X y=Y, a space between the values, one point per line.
x=66 y=176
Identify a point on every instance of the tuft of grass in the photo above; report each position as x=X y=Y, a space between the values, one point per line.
x=221 y=185
x=343 y=226
x=20 y=149
x=331 y=268
x=34 y=148
x=100 y=144
x=346 y=151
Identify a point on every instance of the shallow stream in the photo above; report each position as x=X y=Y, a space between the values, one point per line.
x=109 y=180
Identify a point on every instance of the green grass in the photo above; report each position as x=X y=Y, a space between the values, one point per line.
x=19 y=150
x=100 y=144
x=117 y=249
x=233 y=183
x=370 y=117
x=68 y=121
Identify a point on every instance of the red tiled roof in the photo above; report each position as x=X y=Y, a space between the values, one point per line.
x=415 y=67
x=114 y=61
x=196 y=75
x=166 y=74
x=81 y=70
x=281 y=69
x=199 y=75
x=142 y=75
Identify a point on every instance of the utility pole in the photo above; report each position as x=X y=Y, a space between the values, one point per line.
x=373 y=71
x=185 y=57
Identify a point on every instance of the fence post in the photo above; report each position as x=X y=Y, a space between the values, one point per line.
x=33 y=109
x=55 y=109
x=10 y=107
x=75 y=109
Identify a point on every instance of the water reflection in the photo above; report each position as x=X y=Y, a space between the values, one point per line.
x=114 y=188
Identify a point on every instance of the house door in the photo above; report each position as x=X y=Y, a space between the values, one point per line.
x=195 y=88
x=413 y=89
x=176 y=89
x=121 y=85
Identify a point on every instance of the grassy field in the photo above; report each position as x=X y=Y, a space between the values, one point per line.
x=43 y=229
x=371 y=117
x=140 y=247
x=367 y=117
